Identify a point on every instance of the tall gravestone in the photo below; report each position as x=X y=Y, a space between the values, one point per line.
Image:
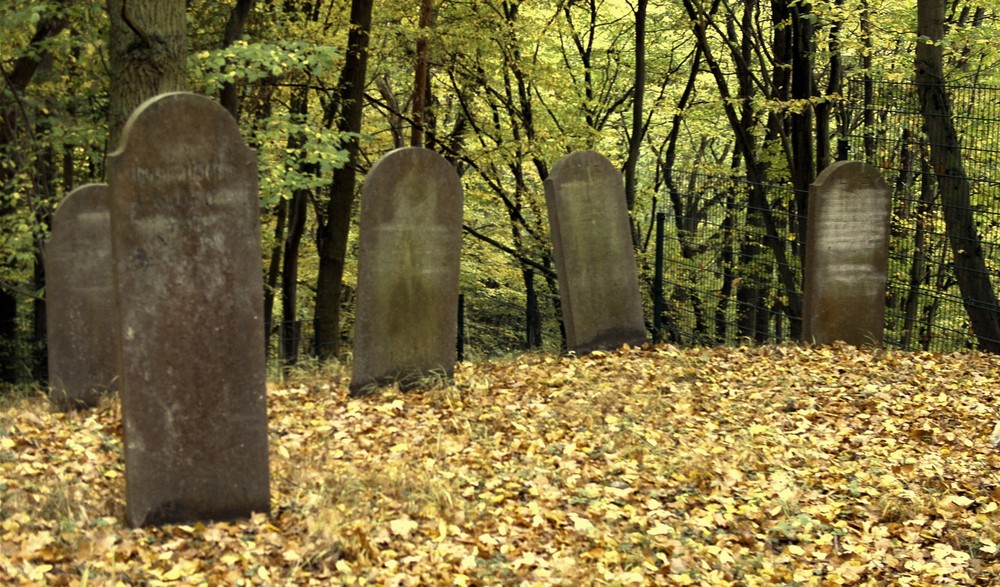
x=408 y=268
x=79 y=300
x=186 y=243
x=595 y=262
x=847 y=255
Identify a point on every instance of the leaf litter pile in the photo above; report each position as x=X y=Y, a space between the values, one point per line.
x=656 y=466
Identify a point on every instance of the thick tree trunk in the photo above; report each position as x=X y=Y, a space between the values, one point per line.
x=147 y=54
x=334 y=229
x=946 y=160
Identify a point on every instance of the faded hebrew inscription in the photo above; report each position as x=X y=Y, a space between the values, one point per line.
x=847 y=255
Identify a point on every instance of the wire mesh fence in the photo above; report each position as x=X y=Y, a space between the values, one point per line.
x=734 y=272
x=924 y=307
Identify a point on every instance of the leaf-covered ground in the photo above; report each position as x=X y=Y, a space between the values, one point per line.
x=659 y=466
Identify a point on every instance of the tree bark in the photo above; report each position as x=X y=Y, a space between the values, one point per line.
x=333 y=230
x=969 y=260
x=229 y=96
x=638 y=128
x=147 y=54
x=290 y=330
x=422 y=78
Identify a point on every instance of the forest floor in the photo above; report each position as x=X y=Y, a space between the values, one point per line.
x=657 y=466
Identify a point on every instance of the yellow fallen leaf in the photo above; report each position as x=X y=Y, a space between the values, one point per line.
x=960 y=500
x=469 y=562
x=175 y=573
x=581 y=524
x=229 y=558
x=661 y=529
x=402 y=527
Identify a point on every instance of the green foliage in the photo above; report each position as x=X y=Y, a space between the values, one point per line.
x=246 y=62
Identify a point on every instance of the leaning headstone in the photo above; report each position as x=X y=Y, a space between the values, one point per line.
x=79 y=300
x=847 y=255
x=595 y=262
x=186 y=243
x=408 y=268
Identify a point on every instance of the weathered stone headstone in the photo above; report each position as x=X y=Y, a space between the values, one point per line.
x=186 y=245
x=408 y=267
x=79 y=300
x=595 y=262
x=847 y=255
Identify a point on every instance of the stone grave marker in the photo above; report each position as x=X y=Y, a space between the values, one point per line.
x=79 y=300
x=595 y=262
x=408 y=269
x=186 y=244
x=847 y=255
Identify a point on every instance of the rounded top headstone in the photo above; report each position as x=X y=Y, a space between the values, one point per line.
x=190 y=116
x=592 y=160
x=857 y=172
x=422 y=183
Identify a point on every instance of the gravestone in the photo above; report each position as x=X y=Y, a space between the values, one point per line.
x=408 y=266
x=847 y=255
x=595 y=262
x=186 y=244
x=79 y=300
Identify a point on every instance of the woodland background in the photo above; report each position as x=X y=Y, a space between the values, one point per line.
x=718 y=113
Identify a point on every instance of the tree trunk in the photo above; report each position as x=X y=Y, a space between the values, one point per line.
x=229 y=96
x=147 y=54
x=297 y=208
x=333 y=230
x=422 y=78
x=803 y=170
x=970 y=269
x=274 y=271
x=290 y=327
x=638 y=127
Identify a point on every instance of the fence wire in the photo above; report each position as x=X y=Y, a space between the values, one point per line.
x=884 y=127
x=721 y=289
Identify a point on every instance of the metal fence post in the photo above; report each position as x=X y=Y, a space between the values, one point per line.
x=661 y=219
x=460 y=343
